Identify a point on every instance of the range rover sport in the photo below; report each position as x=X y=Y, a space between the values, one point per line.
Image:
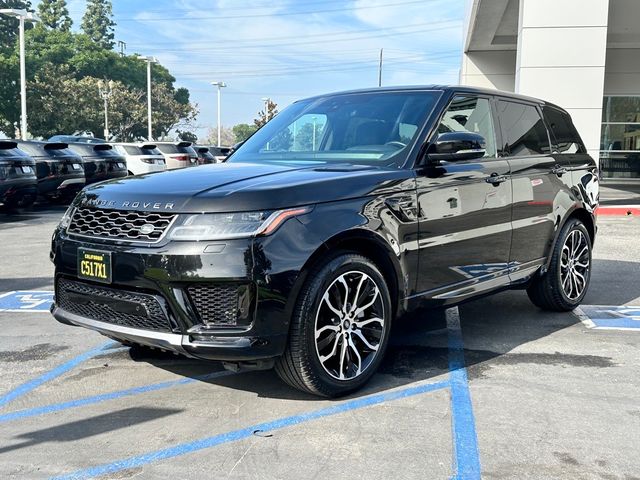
x=341 y=214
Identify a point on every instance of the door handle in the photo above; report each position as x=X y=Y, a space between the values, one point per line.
x=495 y=179
x=558 y=170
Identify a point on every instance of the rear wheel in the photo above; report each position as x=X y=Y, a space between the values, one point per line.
x=339 y=328
x=563 y=287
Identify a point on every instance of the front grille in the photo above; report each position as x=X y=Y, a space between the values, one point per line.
x=215 y=304
x=118 y=307
x=120 y=224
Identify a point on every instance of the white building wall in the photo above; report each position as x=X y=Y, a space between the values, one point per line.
x=489 y=69
x=561 y=58
x=622 y=76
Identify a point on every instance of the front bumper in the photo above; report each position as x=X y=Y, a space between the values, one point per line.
x=224 y=348
x=263 y=272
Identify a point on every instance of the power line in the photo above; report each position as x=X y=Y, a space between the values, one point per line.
x=292 y=37
x=314 y=42
x=275 y=14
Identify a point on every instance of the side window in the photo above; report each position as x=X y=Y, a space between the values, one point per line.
x=523 y=131
x=303 y=135
x=564 y=137
x=471 y=114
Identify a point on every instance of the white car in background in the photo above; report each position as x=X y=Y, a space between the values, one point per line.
x=178 y=154
x=141 y=157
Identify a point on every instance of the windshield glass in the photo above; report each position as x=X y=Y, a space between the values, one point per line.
x=370 y=128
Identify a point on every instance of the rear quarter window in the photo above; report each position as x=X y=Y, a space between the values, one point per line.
x=168 y=148
x=564 y=136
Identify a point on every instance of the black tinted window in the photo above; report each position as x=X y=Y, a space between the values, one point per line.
x=564 y=137
x=523 y=131
x=167 y=148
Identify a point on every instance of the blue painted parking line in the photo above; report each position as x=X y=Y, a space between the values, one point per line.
x=51 y=374
x=466 y=462
x=465 y=442
x=243 y=433
x=610 y=317
x=81 y=402
x=26 y=301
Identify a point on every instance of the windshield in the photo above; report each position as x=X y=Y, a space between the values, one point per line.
x=369 y=128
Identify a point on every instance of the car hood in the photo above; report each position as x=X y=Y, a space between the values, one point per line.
x=234 y=187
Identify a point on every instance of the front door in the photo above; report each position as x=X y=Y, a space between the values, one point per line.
x=464 y=212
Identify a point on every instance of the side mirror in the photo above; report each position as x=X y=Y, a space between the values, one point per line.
x=454 y=146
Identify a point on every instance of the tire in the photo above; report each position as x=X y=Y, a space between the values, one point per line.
x=359 y=331
x=558 y=290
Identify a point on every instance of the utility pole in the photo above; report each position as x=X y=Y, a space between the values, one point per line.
x=380 y=69
x=21 y=15
x=122 y=46
x=266 y=101
x=106 y=90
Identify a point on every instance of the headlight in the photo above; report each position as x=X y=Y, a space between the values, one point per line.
x=225 y=226
x=66 y=218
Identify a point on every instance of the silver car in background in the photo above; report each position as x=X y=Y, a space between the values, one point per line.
x=142 y=157
x=178 y=154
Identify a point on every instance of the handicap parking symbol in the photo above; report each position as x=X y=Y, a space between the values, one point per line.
x=610 y=317
x=26 y=301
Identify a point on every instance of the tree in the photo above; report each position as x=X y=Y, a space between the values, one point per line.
x=54 y=14
x=242 y=131
x=186 y=136
x=97 y=23
x=9 y=25
x=227 y=137
x=264 y=117
x=304 y=140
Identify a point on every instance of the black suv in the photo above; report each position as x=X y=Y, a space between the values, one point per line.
x=101 y=161
x=59 y=170
x=341 y=214
x=18 y=181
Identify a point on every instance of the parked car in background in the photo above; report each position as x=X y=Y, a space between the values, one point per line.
x=101 y=161
x=204 y=155
x=76 y=139
x=220 y=153
x=59 y=170
x=178 y=154
x=18 y=181
x=141 y=157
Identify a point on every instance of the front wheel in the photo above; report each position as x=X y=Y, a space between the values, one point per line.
x=563 y=287
x=339 y=328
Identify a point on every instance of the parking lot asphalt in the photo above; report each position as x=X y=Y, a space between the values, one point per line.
x=494 y=389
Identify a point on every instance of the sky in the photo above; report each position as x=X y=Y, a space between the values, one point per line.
x=288 y=49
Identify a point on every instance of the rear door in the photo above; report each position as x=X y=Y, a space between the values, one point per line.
x=465 y=211
x=567 y=148
x=541 y=184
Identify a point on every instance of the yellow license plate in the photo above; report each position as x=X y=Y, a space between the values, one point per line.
x=94 y=265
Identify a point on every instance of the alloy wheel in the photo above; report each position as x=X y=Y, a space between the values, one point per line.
x=350 y=325
x=574 y=264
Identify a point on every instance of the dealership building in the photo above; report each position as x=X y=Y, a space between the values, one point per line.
x=583 y=55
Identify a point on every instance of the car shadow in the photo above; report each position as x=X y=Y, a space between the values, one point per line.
x=417 y=348
x=89 y=427
x=492 y=329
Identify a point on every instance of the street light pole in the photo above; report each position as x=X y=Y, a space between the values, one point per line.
x=105 y=92
x=149 y=60
x=266 y=101
x=22 y=16
x=219 y=85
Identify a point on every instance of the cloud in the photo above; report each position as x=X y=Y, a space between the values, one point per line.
x=276 y=51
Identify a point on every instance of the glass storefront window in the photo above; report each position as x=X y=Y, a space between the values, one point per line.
x=620 y=137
